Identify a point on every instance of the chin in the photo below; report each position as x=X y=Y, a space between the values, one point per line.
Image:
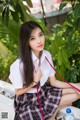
x=41 y=49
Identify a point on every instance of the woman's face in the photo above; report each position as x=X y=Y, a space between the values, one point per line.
x=37 y=41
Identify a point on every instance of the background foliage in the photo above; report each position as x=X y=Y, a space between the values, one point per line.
x=12 y=14
x=63 y=42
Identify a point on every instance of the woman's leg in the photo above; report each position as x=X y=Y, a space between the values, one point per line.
x=68 y=96
x=54 y=115
x=69 y=91
x=68 y=99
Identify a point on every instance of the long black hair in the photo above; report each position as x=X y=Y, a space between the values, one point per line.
x=25 y=50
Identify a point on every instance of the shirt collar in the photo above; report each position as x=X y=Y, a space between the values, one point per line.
x=34 y=58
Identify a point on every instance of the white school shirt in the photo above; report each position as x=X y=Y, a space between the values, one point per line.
x=17 y=67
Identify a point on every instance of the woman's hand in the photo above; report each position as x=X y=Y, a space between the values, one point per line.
x=37 y=75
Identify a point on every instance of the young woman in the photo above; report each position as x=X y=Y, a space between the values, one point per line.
x=31 y=70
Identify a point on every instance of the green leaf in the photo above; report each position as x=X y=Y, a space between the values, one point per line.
x=4 y=11
x=64 y=55
x=3 y=50
x=1 y=1
x=11 y=8
x=65 y=59
x=23 y=8
x=15 y=16
x=59 y=57
x=77 y=11
x=62 y=5
x=62 y=70
x=29 y=3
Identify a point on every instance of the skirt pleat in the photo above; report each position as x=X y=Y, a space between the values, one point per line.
x=27 y=106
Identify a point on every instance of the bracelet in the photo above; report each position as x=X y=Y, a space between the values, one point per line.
x=35 y=81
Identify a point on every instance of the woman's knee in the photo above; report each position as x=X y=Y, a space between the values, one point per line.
x=68 y=99
x=62 y=105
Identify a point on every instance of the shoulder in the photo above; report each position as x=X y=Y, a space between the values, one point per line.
x=16 y=63
x=15 y=75
x=47 y=53
x=48 y=56
x=16 y=66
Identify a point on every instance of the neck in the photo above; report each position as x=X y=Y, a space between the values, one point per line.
x=38 y=54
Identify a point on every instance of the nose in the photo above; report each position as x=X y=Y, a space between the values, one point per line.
x=38 y=40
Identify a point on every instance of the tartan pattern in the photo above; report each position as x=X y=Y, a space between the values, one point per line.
x=27 y=107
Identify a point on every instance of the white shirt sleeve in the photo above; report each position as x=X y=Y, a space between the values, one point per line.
x=15 y=75
x=52 y=72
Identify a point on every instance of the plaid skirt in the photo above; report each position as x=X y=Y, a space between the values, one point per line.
x=27 y=106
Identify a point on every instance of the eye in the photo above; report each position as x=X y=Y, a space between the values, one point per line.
x=32 y=38
x=41 y=34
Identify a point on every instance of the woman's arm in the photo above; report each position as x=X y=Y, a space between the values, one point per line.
x=56 y=83
x=24 y=89
x=37 y=76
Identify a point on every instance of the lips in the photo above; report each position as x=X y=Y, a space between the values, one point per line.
x=40 y=45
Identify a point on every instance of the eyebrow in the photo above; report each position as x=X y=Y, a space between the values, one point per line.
x=38 y=34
